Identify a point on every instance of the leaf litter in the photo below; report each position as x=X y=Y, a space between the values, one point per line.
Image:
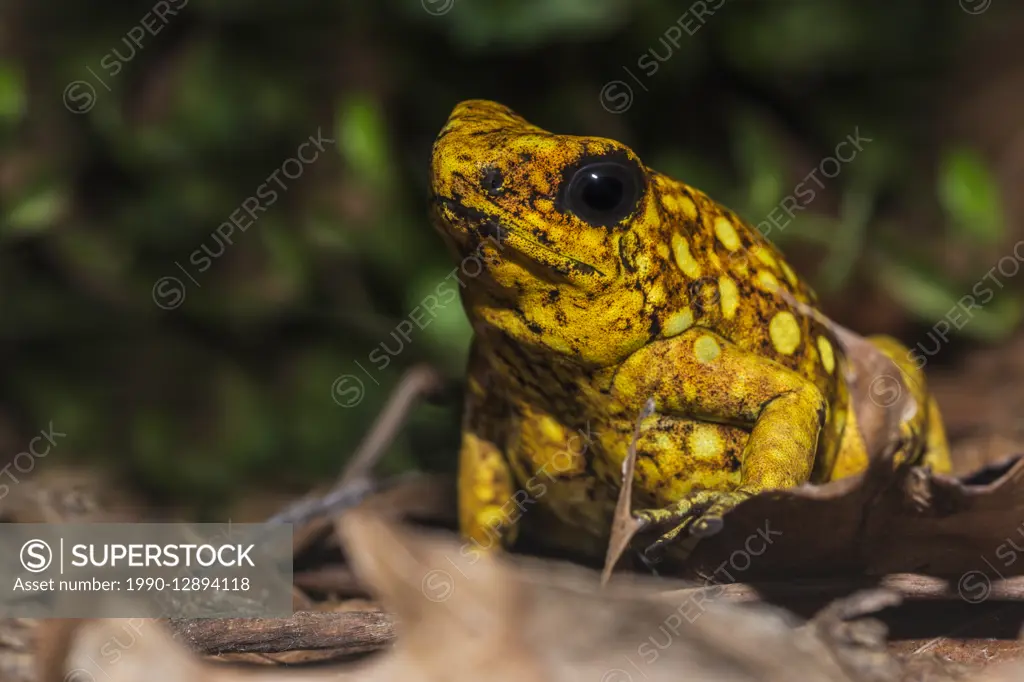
x=894 y=574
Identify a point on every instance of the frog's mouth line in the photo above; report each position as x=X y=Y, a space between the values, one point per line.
x=490 y=227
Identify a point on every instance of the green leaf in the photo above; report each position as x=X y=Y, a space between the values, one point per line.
x=38 y=210
x=760 y=158
x=362 y=139
x=523 y=23
x=933 y=298
x=436 y=309
x=12 y=93
x=970 y=197
x=855 y=213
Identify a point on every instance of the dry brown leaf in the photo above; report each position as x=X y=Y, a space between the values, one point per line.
x=471 y=616
x=333 y=579
x=16 y=649
x=464 y=616
x=1006 y=672
x=624 y=525
x=128 y=650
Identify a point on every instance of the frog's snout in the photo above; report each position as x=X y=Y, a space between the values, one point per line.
x=468 y=150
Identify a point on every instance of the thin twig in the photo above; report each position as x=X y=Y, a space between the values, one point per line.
x=351 y=631
x=417 y=382
x=354 y=483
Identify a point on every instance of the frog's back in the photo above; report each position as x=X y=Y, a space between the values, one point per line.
x=732 y=278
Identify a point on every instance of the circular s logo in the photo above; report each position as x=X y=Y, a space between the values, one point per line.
x=885 y=390
x=79 y=97
x=616 y=97
x=36 y=556
x=974 y=587
x=168 y=292
x=437 y=585
x=347 y=390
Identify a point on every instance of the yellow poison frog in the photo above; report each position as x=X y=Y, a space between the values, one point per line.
x=604 y=284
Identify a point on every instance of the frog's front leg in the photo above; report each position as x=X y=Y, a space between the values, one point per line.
x=485 y=481
x=485 y=488
x=701 y=375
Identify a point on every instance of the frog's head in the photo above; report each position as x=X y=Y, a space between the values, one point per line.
x=555 y=226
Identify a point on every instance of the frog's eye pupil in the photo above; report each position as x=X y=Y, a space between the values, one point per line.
x=601 y=193
x=604 y=192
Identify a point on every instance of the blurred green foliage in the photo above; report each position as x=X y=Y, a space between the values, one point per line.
x=120 y=159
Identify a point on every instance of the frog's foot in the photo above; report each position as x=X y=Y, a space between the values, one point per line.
x=700 y=513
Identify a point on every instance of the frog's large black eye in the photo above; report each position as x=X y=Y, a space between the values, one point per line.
x=604 y=192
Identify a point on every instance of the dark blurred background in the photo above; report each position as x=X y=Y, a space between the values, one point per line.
x=203 y=370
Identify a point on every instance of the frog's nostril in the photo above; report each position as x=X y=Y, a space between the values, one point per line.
x=492 y=180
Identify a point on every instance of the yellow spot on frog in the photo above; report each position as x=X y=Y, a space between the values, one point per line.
x=785 y=332
x=828 y=358
x=677 y=323
x=662 y=249
x=686 y=262
x=705 y=442
x=767 y=281
x=726 y=233
x=689 y=210
x=730 y=296
x=550 y=428
x=788 y=272
x=706 y=349
x=491 y=517
x=765 y=257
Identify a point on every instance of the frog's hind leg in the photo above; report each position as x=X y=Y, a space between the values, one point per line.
x=924 y=432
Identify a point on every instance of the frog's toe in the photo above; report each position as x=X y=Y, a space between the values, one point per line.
x=675 y=516
x=659 y=517
x=707 y=525
x=700 y=513
x=668 y=537
x=711 y=521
